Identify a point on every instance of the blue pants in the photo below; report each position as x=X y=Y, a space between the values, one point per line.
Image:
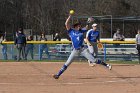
x=43 y=47
x=4 y=51
x=29 y=48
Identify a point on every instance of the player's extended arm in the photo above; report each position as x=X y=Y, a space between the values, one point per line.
x=67 y=23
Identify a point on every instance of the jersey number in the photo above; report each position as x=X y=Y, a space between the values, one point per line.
x=77 y=38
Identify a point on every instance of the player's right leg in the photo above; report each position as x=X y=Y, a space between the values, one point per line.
x=68 y=62
x=94 y=61
x=104 y=64
x=89 y=56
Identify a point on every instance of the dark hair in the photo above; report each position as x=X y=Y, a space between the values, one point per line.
x=76 y=24
x=20 y=29
x=118 y=29
x=42 y=35
x=31 y=37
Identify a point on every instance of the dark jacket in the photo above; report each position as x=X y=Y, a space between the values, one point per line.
x=57 y=38
x=20 y=39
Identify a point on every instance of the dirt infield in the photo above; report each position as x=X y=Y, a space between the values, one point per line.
x=35 y=77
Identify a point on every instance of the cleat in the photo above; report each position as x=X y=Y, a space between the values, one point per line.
x=91 y=64
x=55 y=76
x=109 y=66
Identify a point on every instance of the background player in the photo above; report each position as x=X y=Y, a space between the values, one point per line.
x=138 y=43
x=92 y=39
x=77 y=38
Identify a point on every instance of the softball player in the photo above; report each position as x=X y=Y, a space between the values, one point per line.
x=92 y=38
x=77 y=38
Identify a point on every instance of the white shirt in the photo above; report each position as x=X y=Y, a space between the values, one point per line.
x=138 y=39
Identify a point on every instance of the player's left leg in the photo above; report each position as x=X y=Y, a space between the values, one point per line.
x=90 y=48
x=68 y=62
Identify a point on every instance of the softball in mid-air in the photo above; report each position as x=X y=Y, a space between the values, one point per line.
x=71 y=12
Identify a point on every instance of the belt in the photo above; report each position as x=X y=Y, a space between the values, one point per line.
x=79 y=48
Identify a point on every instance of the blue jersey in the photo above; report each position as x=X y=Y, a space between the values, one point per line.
x=93 y=36
x=77 y=37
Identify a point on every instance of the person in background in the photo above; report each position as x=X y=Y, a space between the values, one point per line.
x=30 y=47
x=43 y=47
x=57 y=37
x=118 y=36
x=92 y=39
x=138 y=43
x=4 y=47
x=20 y=43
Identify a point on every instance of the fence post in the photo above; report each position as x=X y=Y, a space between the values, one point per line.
x=12 y=53
x=139 y=58
x=39 y=52
x=104 y=52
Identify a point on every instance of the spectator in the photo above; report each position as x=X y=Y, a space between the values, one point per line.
x=57 y=37
x=29 y=47
x=117 y=36
x=4 y=48
x=43 y=47
x=138 y=43
x=20 y=43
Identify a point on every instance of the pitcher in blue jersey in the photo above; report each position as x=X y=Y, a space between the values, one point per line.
x=77 y=37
